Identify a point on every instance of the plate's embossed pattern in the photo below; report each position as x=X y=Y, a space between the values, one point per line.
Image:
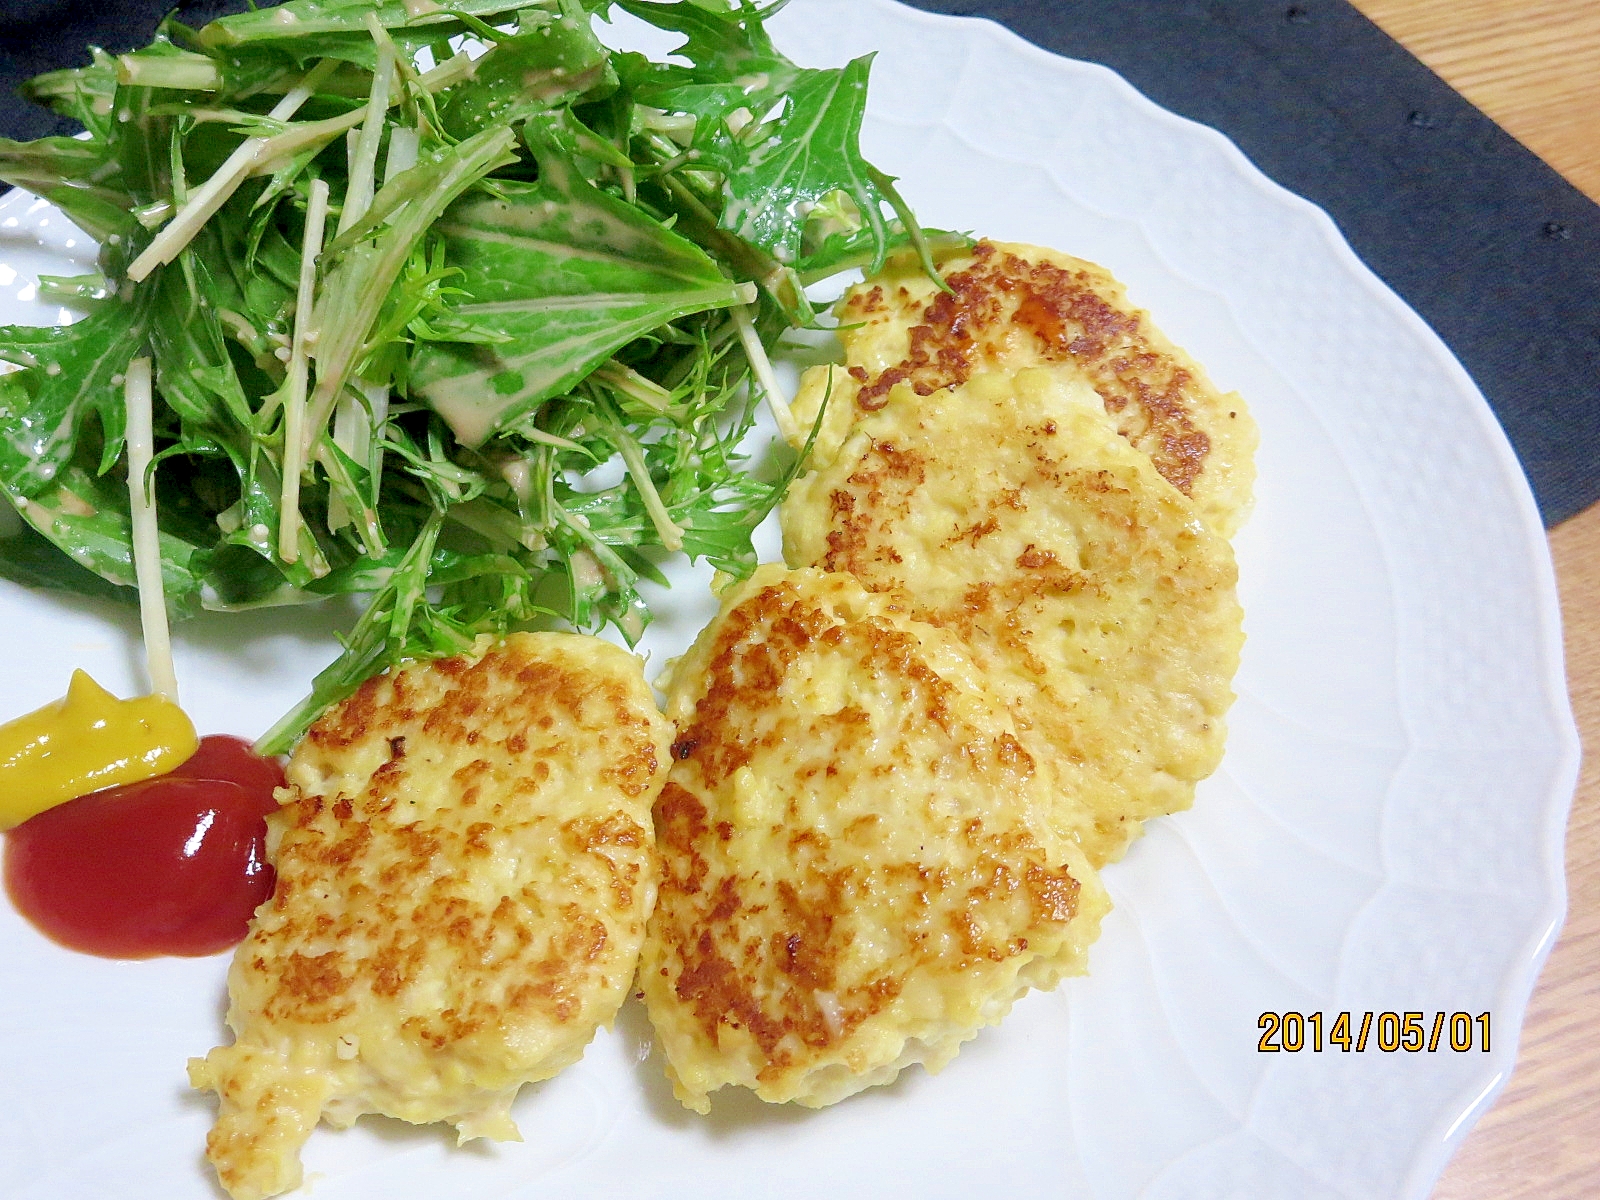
x=1384 y=834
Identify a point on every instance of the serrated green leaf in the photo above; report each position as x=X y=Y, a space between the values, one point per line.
x=72 y=174
x=72 y=373
x=86 y=516
x=86 y=94
x=569 y=274
x=556 y=62
x=784 y=138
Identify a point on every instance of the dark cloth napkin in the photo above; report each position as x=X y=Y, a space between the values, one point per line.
x=1493 y=248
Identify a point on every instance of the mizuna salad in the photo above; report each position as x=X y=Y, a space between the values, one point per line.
x=447 y=305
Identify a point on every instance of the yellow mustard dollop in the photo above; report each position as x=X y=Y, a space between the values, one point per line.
x=87 y=741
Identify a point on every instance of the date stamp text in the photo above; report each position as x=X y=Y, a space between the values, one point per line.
x=1412 y=1032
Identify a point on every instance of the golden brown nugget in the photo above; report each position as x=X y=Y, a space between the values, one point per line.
x=465 y=866
x=1012 y=307
x=1085 y=588
x=859 y=866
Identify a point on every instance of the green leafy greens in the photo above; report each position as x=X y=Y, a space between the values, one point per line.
x=408 y=272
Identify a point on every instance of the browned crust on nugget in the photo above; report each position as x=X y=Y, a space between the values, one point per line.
x=1071 y=314
x=857 y=866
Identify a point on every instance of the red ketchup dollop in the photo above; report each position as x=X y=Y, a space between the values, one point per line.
x=172 y=865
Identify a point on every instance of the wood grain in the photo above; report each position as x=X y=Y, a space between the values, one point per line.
x=1534 y=66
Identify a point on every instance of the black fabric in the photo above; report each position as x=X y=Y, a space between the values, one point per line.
x=43 y=35
x=1487 y=243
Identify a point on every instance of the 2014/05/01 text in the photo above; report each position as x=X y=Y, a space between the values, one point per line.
x=1387 y=1031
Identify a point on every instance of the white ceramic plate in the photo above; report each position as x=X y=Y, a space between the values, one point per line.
x=1385 y=834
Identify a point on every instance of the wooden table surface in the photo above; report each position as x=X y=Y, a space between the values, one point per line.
x=1534 y=66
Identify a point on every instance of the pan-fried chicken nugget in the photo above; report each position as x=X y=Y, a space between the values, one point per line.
x=859 y=865
x=1087 y=591
x=465 y=866
x=1012 y=307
